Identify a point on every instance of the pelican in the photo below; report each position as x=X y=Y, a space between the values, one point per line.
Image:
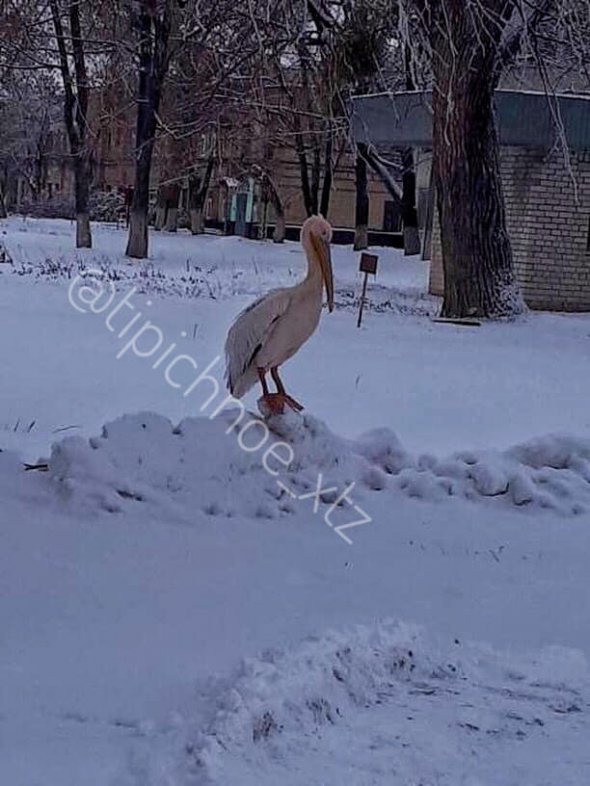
x=273 y=328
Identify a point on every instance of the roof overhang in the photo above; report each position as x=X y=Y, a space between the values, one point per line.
x=525 y=119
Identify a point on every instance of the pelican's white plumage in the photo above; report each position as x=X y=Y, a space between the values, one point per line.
x=274 y=327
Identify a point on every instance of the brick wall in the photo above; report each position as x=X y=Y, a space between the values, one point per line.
x=548 y=228
x=286 y=175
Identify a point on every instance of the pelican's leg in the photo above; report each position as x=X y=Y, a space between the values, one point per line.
x=274 y=372
x=270 y=403
x=262 y=378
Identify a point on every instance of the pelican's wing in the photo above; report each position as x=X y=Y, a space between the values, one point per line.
x=247 y=336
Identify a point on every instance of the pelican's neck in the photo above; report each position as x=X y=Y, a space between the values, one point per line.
x=314 y=271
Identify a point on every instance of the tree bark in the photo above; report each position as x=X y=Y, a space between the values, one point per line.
x=75 y=113
x=279 y=210
x=153 y=27
x=82 y=177
x=172 y=200
x=160 y=217
x=138 y=230
x=327 y=183
x=361 y=230
x=409 y=212
x=278 y=236
x=197 y=195
x=476 y=250
x=271 y=194
x=303 y=171
x=3 y=211
x=316 y=171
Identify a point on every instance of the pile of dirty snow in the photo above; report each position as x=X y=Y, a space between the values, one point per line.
x=383 y=704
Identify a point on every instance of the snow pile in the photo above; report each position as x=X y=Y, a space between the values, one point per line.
x=212 y=466
x=385 y=700
x=227 y=466
x=551 y=472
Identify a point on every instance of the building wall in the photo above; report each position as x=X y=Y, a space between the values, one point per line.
x=548 y=227
x=284 y=169
x=112 y=148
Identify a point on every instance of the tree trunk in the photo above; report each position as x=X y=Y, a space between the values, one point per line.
x=153 y=32
x=409 y=212
x=3 y=212
x=137 y=243
x=303 y=170
x=197 y=222
x=173 y=198
x=195 y=205
x=277 y=204
x=327 y=184
x=75 y=112
x=83 y=236
x=160 y=217
x=197 y=195
x=361 y=230
x=82 y=177
x=477 y=255
x=278 y=236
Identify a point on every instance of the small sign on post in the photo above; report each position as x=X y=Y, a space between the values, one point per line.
x=368 y=264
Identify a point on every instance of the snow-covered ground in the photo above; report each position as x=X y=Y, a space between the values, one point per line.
x=180 y=600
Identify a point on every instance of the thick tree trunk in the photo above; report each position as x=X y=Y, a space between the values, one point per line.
x=137 y=243
x=138 y=234
x=195 y=207
x=75 y=113
x=409 y=212
x=160 y=217
x=278 y=236
x=197 y=222
x=153 y=30
x=83 y=237
x=361 y=231
x=197 y=194
x=173 y=198
x=172 y=219
x=82 y=178
x=477 y=255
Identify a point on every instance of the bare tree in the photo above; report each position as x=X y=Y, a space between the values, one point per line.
x=470 y=47
x=151 y=23
x=198 y=187
x=76 y=89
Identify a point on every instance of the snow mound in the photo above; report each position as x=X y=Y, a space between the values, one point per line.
x=220 y=467
x=227 y=466
x=401 y=706
x=552 y=472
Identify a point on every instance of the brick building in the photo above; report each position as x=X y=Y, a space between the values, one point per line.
x=547 y=193
x=233 y=198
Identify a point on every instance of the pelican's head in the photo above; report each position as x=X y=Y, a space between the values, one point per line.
x=316 y=234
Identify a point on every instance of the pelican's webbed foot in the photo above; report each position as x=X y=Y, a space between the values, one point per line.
x=274 y=404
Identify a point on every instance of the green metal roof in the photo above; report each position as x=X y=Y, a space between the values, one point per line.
x=525 y=119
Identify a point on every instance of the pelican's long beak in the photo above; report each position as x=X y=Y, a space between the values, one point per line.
x=324 y=253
